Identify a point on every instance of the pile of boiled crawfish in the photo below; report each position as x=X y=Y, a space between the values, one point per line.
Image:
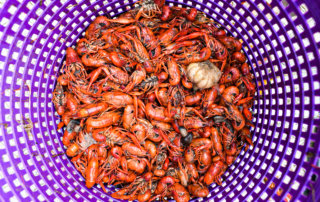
x=132 y=116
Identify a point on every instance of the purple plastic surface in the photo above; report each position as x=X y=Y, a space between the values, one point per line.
x=281 y=38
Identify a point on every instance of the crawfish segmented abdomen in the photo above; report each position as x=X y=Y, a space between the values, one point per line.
x=149 y=83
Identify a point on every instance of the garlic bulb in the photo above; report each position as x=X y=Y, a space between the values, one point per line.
x=203 y=74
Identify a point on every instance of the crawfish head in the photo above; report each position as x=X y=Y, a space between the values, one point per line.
x=177 y=96
x=76 y=70
x=72 y=125
x=201 y=18
x=229 y=126
x=148 y=8
x=242 y=87
x=87 y=142
x=172 y=172
x=161 y=158
x=59 y=98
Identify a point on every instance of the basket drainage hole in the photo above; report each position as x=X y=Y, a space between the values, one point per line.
x=279 y=192
x=288 y=198
x=272 y=185
x=315 y=129
x=265 y=180
x=312 y=144
x=306 y=192
x=314 y=177
x=309 y=156
x=285 y=3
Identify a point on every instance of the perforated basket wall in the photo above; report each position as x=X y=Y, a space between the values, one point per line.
x=281 y=39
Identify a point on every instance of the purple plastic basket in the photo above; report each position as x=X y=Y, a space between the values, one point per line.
x=281 y=39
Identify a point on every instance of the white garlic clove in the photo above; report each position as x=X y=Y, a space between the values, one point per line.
x=203 y=74
x=204 y=83
x=199 y=76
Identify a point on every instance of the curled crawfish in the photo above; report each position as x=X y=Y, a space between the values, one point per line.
x=96 y=27
x=214 y=173
x=131 y=149
x=198 y=190
x=74 y=68
x=239 y=121
x=73 y=150
x=136 y=78
x=193 y=99
x=179 y=193
x=157 y=113
x=230 y=75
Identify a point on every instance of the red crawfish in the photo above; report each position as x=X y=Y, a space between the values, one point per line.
x=138 y=51
x=117 y=99
x=92 y=172
x=90 y=110
x=96 y=27
x=59 y=99
x=215 y=172
x=104 y=120
x=136 y=78
x=198 y=190
x=174 y=72
x=74 y=67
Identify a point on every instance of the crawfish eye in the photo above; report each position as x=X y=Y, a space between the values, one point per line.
x=202 y=166
x=102 y=24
